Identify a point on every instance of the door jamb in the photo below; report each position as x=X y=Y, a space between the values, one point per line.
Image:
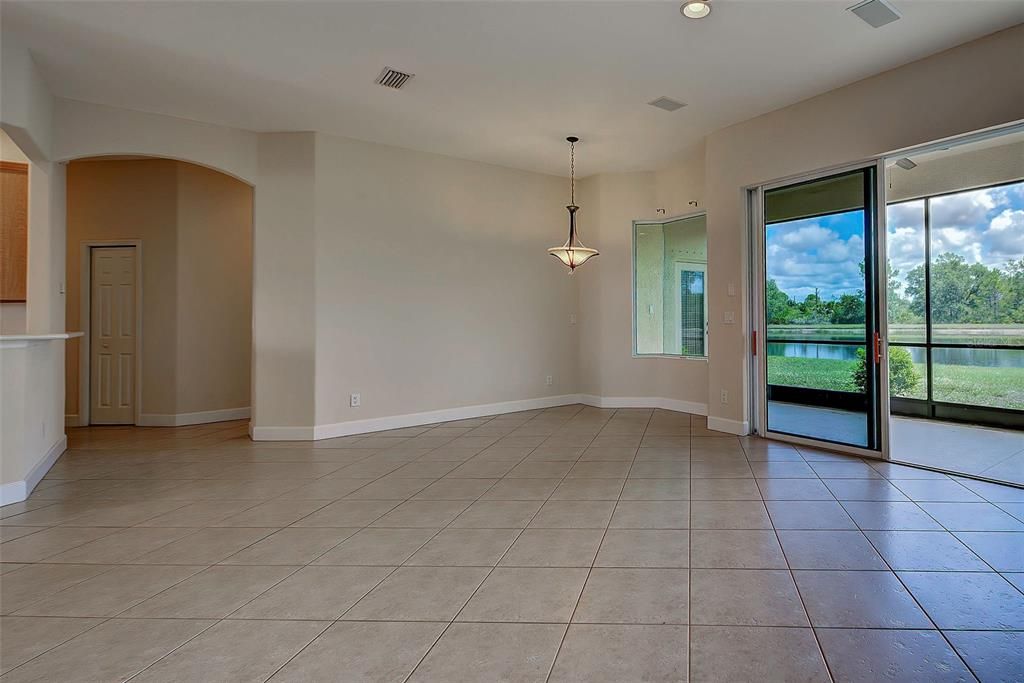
x=85 y=321
x=758 y=366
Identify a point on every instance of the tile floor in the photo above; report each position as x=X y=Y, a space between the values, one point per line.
x=564 y=544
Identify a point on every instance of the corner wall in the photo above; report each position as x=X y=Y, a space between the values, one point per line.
x=433 y=288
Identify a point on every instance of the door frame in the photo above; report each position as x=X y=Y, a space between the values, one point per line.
x=755 y=265
x=690 y=266
x=85 y=321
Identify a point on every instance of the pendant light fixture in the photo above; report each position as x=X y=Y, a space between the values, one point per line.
x=573 y=253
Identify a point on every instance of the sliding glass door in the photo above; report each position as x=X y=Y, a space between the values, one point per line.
x=819 y=368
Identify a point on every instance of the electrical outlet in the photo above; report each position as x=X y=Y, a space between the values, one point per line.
x=725 y=396
x=355 y=400
x=572 y=318
x=548 y=380
x=729 y=317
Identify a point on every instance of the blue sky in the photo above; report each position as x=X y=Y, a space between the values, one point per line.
x=983 y=226
x=823 y=252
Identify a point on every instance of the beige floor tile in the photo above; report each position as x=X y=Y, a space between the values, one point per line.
x=455 y=489
x=211 y=594
x=858 y=599
x=871 y=655
x=729 y=514
x=235 y=650
x=383 y=547
x=660 y=469
x=612 y=654
x=829 y=550
x=314 y=593
x=744 y=597
x=112 y=592
x=391 y=488
x=554 y=548
x=735 y=549
x=125 y=514
x=456 y=547
x=115 y=650
x=423 y=514
x=50 y=542
x=419 y=594
x=328 y=488
x=724 y=489
x=491 y=652
x=808 y=514
x=573 y=514
x=634 y=596
x=362 y=651
x=656 y=489
x=349 y=513
x=275 y=513
x=588 y=489
x=31 y=583
x=526 y=595
x=667 y=548
x=637 y=514
x=497 y=514
x=9 y=533
x=291 y=546
x=205 y=546
x=726 y=654
x=199 y=514
x=28 y=637
x=521 y=489
x=123 y=546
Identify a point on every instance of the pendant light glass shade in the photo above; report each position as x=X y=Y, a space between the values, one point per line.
x=573 y=253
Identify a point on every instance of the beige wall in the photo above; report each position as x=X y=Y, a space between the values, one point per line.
x=970 y=87
x=284 y=291
x=611 y=203
x=214 y=321
x=195 y=231
x=433 y=289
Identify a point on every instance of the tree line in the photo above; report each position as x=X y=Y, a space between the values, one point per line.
x=961 y=292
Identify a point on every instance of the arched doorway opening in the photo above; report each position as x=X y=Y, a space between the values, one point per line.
x=159 y=278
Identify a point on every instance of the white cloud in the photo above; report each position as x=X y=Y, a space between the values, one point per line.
x=1005 y=234
x=809 y=237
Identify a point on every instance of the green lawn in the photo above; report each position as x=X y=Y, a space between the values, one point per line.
x=972 y=385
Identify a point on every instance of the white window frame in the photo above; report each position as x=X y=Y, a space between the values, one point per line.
x=632 y=287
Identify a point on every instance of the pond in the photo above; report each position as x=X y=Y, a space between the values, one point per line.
x=989 y=358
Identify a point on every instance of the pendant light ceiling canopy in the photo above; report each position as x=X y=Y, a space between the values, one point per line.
x=573 y=253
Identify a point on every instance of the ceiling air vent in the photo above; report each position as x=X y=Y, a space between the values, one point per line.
x=666 y=103
x=875 y=13
x=392 y=78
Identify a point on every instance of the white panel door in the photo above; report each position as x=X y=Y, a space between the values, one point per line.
x=112 y=336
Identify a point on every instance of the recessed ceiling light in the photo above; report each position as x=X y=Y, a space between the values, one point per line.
x=667 y=103
x=695 y=9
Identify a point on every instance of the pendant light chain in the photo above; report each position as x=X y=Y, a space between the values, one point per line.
x=572 y=172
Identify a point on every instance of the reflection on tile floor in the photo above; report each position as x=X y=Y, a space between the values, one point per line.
x=996 y=454
x=980 y=451
x=564 y=544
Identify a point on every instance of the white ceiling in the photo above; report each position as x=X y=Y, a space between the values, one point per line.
x=501 y=82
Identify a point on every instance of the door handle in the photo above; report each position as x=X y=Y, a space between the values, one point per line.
x=878 y=349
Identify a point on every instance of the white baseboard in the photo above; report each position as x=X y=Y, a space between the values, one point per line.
x=17 y=491
x=737 y=427
x=380 y=424
x=691 y=407
x=185 y=419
